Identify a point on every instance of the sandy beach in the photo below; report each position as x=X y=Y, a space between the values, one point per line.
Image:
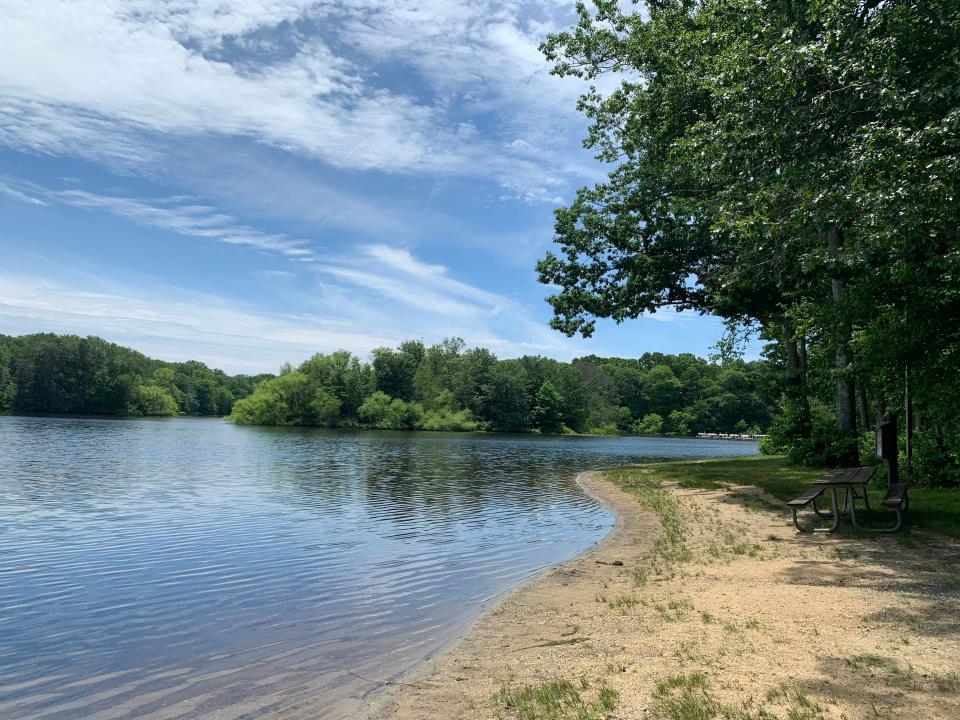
x=707 y=601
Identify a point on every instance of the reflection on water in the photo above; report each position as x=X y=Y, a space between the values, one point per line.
x=188 y=568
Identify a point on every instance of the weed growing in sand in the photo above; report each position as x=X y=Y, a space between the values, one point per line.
x=902 y=677
x=554 y=700
x=947 y=683
x=623 y=602
x=670 y=548
x=674 y=610
x=688 y=697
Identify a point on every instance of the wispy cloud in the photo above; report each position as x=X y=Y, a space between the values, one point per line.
x=195 y=326
x=112 y=81
x=181 y=215
x=19 y=195
x=178 y=324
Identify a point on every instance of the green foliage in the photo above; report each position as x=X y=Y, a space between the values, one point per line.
x=649 y=424
x=442 y=387
x=792 y=168
x=151 y=400
x=381 y=411
x=548 y=409
x=937 y=459
x=46 y=373
x=450 y=420
x=822 y=444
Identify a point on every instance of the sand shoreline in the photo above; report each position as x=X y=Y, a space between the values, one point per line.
x=749 y=618
x=633 y=531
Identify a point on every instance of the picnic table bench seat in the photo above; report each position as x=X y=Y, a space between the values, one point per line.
x=896 y=496
x=853 y=481
x=809 y=495
x=897 y=500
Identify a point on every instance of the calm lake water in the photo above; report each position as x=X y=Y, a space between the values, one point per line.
x=188 y=568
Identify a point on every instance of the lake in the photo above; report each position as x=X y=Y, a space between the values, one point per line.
x=188 y=568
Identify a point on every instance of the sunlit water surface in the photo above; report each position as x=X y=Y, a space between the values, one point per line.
x=188 y=568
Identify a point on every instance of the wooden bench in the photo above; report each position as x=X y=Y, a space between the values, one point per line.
x=898 y=500
x=897 y=496
x=809 y=497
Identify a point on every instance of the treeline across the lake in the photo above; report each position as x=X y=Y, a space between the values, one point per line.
x=446 y=386
x=449 y=387
x=46 y=373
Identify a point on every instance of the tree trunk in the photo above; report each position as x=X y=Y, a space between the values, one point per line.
x=845 y=392
x=796 y=383
x=863 y=408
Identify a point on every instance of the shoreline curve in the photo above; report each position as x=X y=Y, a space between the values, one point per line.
x=534 y=624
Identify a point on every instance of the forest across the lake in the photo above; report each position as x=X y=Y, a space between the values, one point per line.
x=445 y=386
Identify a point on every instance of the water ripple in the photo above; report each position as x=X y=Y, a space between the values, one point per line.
x=188 y=568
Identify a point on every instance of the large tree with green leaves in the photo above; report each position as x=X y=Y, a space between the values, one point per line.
x=788 y=163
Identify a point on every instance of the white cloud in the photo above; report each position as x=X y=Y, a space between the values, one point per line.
x=17 y=194
x=112 y=81
x=176 y=324
x=181 y=215
x=188 y=326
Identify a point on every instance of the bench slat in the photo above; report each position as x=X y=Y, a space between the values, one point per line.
x=809 y=495
x=895 y=495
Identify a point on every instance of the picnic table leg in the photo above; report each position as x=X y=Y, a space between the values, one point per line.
x=818 y=512
x=836 y=514
x=896 y=526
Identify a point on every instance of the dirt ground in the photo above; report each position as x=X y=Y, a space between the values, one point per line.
x=702 y=604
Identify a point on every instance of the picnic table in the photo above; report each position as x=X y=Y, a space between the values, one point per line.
x=853 y=482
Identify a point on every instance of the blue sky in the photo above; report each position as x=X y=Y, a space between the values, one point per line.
x=249 y=182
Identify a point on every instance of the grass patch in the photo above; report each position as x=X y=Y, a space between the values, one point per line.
x=623 y=602
x=688 y=697
x=555 y=700
x=931 y=509
x=895 y=675
x=674 y=610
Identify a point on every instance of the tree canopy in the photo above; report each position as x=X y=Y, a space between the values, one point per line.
x=46 y=373
x=792 y=167
x=450 y=387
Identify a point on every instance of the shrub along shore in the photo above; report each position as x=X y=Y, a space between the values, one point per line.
x=704 y=604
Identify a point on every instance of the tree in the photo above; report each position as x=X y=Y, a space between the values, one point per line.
x=395 y=372
x=547 y=411
x=506 y=399
x=650 y=424
x=791 y=165
x=151 y=400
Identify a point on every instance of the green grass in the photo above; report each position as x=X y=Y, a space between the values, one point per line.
x=689 y=697
x=624 y=603
x=554 y=700
x=931 y=509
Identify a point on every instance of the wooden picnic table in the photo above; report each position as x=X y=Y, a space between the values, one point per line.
x=850 y=480
x=853 y=482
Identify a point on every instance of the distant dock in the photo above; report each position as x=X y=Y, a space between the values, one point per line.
x=729 y=436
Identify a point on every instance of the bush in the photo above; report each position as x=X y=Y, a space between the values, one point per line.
x=381 y=411
x=454 y=421
x=824 y=444
x=650 y=424
x=609 y=428
x=936 y=461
